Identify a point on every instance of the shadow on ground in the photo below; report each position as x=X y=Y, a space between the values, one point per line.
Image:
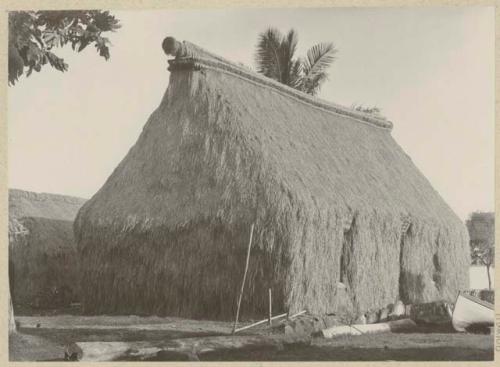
x=33 y=344
x=322 y=353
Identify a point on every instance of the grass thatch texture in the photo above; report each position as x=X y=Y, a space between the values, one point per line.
x=42 y=205
x=435 y=263
x=42 y=250
x=167 y=233
x=43 y=260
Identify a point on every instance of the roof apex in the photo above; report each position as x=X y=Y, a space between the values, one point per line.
x=188 y=56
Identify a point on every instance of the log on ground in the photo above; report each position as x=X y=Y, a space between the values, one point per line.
x=395 y=326
x=141 y=350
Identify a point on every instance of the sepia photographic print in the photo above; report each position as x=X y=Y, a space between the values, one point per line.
x=286 y=183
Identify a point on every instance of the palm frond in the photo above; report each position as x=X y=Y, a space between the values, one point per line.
x=268 y=56
x=289 y=43
x=312 y=84
x=319 y=58
x=288 y=47
x=296 y=80
x=275 y=58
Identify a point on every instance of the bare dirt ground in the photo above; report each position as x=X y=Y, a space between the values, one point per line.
x=380 y=347
x=44 y=338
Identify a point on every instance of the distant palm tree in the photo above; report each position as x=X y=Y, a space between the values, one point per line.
x=275 y=59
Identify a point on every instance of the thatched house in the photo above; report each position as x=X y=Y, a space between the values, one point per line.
x=333 y=197
x=42 y=249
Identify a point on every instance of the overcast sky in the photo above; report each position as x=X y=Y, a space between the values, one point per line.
x=431 y=71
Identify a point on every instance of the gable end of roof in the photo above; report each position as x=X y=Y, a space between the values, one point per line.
x=192 y=57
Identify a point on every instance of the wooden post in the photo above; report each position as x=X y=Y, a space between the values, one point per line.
x=243 y=282
x=270 y=308
x=12 y=320
x=260 y=322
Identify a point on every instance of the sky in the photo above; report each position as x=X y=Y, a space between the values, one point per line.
x=430 y=70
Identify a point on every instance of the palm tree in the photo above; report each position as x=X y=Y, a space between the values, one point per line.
x=275 y=59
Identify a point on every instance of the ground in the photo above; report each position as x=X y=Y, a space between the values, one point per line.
x=44 y=338
x=380 y=347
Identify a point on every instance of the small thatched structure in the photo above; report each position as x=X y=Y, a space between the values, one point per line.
x=332 y=195
x=42 y=250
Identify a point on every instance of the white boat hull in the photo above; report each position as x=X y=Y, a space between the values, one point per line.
x=470 y=311
x=398 y=325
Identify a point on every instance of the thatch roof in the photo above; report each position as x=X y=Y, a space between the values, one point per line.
x=42 y=250
x=328 y=188
x=51 y=206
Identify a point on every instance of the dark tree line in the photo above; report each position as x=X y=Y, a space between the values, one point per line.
x=481 y=227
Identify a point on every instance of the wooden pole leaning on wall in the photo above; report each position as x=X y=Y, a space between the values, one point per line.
x=260 y=322
x=289 y=317
x=270 y=308
x=243 y=281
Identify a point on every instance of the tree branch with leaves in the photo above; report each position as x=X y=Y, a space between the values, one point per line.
x=481 y=227
x=33 y=36
x=486 y=257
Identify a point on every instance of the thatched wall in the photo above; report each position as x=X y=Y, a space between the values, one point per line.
x=42 y=250
x=167 y=233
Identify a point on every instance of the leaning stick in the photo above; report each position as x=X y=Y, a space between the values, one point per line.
x=298 y=314
x=270 y=308
x=243 y=282
x=259 y=322
x=267 y=320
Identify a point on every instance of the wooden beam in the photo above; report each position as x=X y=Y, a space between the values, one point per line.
x=272 y=318
x=298 y=314
x=259 y=322
x=270 y=308
x=243 y=281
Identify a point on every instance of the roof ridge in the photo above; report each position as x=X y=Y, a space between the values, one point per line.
x=188 y=55
x=45 y=196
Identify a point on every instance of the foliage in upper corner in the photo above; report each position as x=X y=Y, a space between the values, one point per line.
x=34 y=34
x=275 y=58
